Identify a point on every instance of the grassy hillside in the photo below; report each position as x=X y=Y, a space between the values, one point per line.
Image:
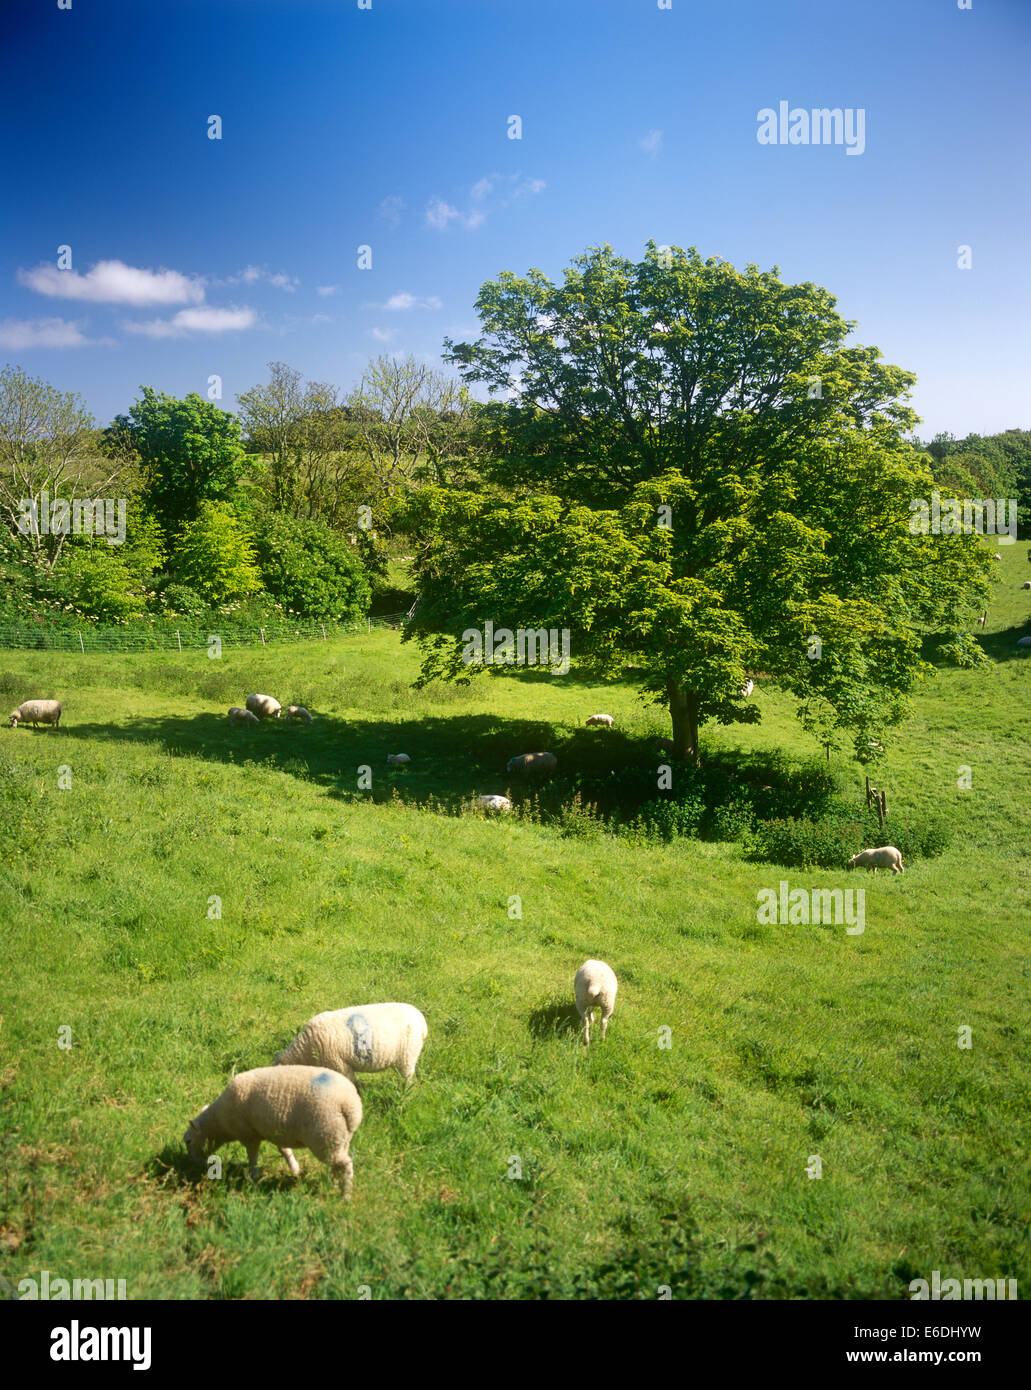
x=641 y=1165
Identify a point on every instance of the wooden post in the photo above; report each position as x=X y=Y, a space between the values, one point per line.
x=262 y=631
x=323 y=627
x=178 y=639
x=868 y=793
x=884 y=806
x=81 y=647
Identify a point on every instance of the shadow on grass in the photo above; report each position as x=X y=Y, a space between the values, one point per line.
x=553 y=1019
x=998 y=646
x=174 y=1167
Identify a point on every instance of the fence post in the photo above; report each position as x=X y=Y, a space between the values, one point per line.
x=323 y=627
x=262 y=631
x=81 y=647
x=178 y=639
x=884 y=807
x=868 y=792
x=368 y=624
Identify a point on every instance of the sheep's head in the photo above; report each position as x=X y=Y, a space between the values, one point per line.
x=195 y=1139
x=15 y=716
x=852 y=862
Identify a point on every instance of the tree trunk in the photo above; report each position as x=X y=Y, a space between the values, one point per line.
x=683 y=708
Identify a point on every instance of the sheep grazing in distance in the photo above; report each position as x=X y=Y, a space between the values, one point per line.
x=264 y=706
x=1024 y=641
x=297 y=712
x=493 y=803
x=291 y=1107
x=595 y=987
x=887 y=857
x=237 y=715
x=747 y=689
x=539 y=763
x=399 y=758
x=37 y=712
x=1026 y=584
x=605 y=720
x=365 y=1037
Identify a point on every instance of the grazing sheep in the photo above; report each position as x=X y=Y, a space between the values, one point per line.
x=297 y=712
x=37 y=712
x=400 y=758
x=533 y=762
x=1026 y=584
x=595 y=986
x=1024 y=641
x=747 y=689
x=237 y=715
x=365 y=1037
x=997 y=556
x=605 y=720
x=493 y=803
x=291 y=1107
x=887 y=857
x=264 y=706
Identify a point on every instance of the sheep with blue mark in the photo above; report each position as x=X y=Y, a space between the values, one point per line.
x=292 y=1107
x=364 y=1037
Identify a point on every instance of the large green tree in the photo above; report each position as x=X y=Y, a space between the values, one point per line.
x=695 y=475
x=190 y=451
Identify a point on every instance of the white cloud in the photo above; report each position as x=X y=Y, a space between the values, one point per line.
x=325 y=290
x=492 y=192
x=482 y=187
x=252 y=274
x=321 y=318
x=530 y=186
x=114 y=282
x=17 y=335
x=384 y=335
x=402 y=301
x=651 y=143
x=205 y=319
x=390 y=210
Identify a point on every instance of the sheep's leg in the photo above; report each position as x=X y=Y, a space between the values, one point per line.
x=586 y=1017
x=252 y=1146
x=343 y=1170
x=291 y=1162
x=605 y=1023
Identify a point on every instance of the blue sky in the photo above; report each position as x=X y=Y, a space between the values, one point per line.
x=388 y=127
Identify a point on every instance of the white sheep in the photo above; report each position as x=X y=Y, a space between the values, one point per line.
x=237 y=715
x=365 y=1037
x=37 y=712
x=291 y=1107
x=605 y=720
x=747 y=689
x=297 y=712
x=887 y=857
x=264 y=706
x=493 y=803
x=399 y=758
x=595 y=987
x=533 y=762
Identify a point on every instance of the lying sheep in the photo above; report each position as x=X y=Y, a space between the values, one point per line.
x=237 y=715
x=365 y=1037
x=291 y=1107
x=595 y=987
x=539 y=763
x=264 y=706
x=297 y=712
x=747 y=689
x=37 y=712
x=887 y=857
x=1024 y=641
x=399 y=758
x=493 y=803
x=604 y=719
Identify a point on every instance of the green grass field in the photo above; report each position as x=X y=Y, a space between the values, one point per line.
x=641 y=1165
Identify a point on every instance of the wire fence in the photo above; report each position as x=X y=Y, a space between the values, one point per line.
x=140 y=637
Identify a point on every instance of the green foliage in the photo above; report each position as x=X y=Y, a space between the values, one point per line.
x=829 y=843
x=215 y=557
x=310 y=569
x=180 y=599
x=190 y=451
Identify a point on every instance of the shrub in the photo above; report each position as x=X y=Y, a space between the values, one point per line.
x=310 y=569
x=829 y=843
x=182 y=600
x=214 y=557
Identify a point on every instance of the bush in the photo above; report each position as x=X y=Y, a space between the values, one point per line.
x=310 y=569
x=181 y=600
x=214 y=557
x=829 y=843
